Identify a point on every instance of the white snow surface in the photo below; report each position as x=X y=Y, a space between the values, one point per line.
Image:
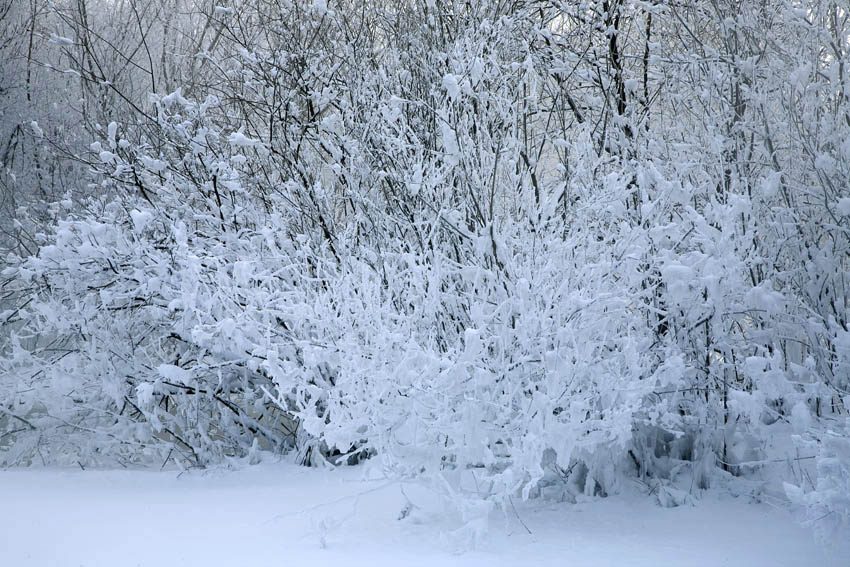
x=280 y=514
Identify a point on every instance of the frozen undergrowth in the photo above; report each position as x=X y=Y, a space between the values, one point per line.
x=602 y=242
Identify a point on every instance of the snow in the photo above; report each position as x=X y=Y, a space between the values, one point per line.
x=450 y=84
x=240 y=139
x=59 y=40
x=276 y=513
x=140 y=219
x=36 y=129
x=112 y=130
x=450 y=144
x=320 y=6
x=175 y=373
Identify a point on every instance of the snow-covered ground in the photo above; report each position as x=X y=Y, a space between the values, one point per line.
x=280 y=514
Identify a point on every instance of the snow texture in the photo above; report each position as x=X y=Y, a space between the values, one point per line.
x=274 y=514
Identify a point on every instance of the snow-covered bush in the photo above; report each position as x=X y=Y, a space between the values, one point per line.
x=493 y=246
x=826 y=501
x=102 y=353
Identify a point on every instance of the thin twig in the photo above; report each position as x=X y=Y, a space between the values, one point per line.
x=511 y=500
